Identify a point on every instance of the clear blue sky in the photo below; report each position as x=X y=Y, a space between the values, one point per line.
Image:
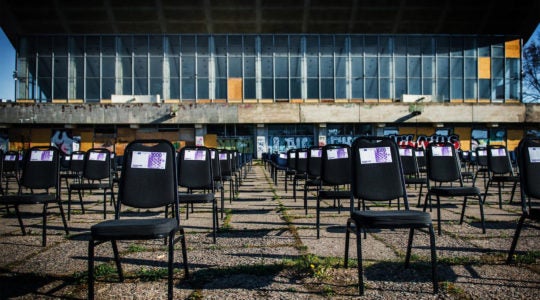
x=7 y=65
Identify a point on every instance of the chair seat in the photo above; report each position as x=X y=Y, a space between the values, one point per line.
x=27 y=199
x=133 y=228
x=391 y=219
x=415 y=180
x=505 y=179
x=89 y=186
x=334 y=194
x=195 y=198
x=455 y=191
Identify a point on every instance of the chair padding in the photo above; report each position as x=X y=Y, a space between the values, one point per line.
x=133 y=228
x=391 y=219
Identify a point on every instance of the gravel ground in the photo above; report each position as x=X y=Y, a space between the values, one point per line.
x=267 y=249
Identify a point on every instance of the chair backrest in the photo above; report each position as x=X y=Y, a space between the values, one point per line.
x=76 y=162
x=314 y=161
x=528 y=157
x=148 y=178
x=225 y=162
x=442 y=163
x=41 y=168
x=301 y=161
x=408 y=160
x=281 y=159
x=10 y=161
x=336 y=164
x=481 y=156
x=420 y=154
x=291 y=159
x=195 y=168
x=97 y=164
x=499 y=160
x=377 y=170
x=216 y=165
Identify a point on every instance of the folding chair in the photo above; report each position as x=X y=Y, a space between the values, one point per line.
x=313 y=172
x=528 y=158
x=195 y=173
x=148 y=181
x=41 y=171
x=377 y=176
x=300 y=168
x=10 y=169
x=410 y=169
x=443 y=167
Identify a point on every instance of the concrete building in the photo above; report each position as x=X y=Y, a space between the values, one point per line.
x=263 y=76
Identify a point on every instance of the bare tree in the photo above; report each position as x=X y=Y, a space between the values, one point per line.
x=531 y=71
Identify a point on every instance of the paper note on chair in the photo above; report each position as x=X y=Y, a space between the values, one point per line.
x=316 y=152
x=78 y=156
x=302 y=155
x=194 y=155
x=419 y=153
x=148 y=160
x=534 y=154
x=99 y=156
x=498 y=152
x=405 y=152
x=38 y=155
x=10 y=157
x=223 y=156
x=340 y=153
x=375 y=155
x=442 y=151
x=482 y=152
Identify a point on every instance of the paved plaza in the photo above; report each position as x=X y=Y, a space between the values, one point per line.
x=267 y=249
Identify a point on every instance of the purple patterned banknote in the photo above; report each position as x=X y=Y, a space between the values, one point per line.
x=375 y=155
x=39 y=155
x=149 y=160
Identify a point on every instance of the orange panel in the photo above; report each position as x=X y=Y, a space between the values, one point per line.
x=512 y=49
x=234 y=89
x=484 y=67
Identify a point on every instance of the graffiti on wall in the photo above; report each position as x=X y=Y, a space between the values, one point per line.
x=242 y=144
x=65 y=141
x=424 y=140
x=4 y=142
x=283 y=143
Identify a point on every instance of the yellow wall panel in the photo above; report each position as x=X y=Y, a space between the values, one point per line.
x=513 y=136
x=484 y=67
x=464 y=134
x=512 y=49
x=234 y=89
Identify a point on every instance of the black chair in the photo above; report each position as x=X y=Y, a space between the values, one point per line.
x=410 y=169
x=335 y=174
x=481 y=164
x=96 y=176
x=500 y=171
x=377 y=176
x=313 y=172
x=195 y=173
x=226 y=171
x=290 y=171
x=528 y=158
x=10 y=169
x=300 y=168
x=75 y=167
x=218 y=179
x=148 y=181
x=443 y=167
x=41 y=171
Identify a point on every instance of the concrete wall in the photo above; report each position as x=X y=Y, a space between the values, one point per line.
x=162 y=113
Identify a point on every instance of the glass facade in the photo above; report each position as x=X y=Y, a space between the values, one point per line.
x=270 y=68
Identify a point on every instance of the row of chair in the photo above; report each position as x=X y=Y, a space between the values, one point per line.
x=376 y=169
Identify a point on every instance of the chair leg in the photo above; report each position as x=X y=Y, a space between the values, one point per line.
x=515 y=239
x=44 y=227
x=318 y=215
x=482 y=213
x=463 y=210
x=486 y=192
x=170 y=266
x=21 y=225
x=117 y=261
x=500 y=196
x=439 y=227
x=214 y=220
x=184 y=252
x=91 y=245
x=359 y=258
x=69 y=204
x=347 y=236
x=433 y=260
x=63 y=216
x=409 y=246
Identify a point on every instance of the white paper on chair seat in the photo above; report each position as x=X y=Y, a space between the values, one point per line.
x=39 y=155
x=498 y=152
x=442 y=151
x=340 y=153
x=375 y=155
x=194 y=154
x=148 y=160
x=534 y=154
